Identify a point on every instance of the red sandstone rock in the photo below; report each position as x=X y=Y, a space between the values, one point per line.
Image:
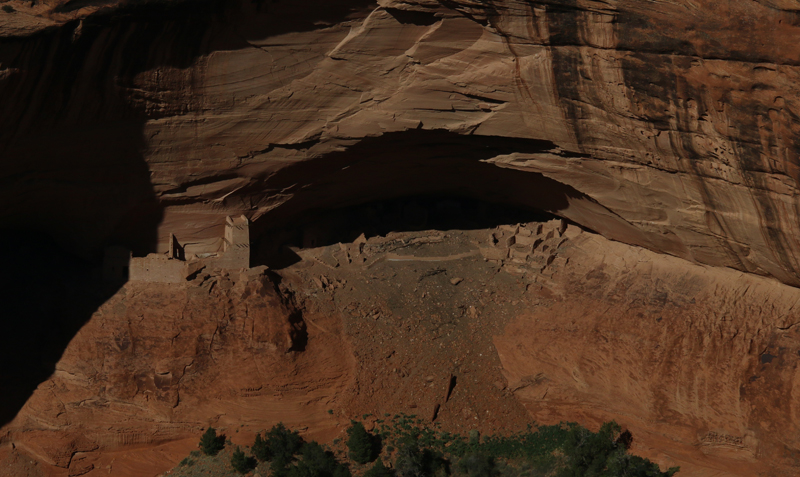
x=669 y=125
x=695 y=361
x=159 y=362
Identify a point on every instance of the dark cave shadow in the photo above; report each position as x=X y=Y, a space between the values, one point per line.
x=375 y=186
x=74 y=178
x=444 y=212
x=47 y=295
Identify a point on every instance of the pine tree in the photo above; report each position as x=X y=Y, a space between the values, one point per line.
x=210 y=443
x=410 y=460
x=278 y=467
x=477 y=465
x=317 y=462
x=241 y=463
x=360 y=444
x=261 y=449
x=283 y=442
x=379 y=470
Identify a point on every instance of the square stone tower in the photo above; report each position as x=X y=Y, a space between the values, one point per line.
x=236 y=244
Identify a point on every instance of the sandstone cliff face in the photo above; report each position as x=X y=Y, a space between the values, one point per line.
x=682 y=355
x=157 y=363
x=672 y=123
x=483 y=329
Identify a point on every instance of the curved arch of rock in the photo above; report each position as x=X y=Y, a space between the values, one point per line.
x=666 y=125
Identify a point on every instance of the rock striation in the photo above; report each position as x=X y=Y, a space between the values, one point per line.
x=481 y=329
x=159 y=362
x=669 y=125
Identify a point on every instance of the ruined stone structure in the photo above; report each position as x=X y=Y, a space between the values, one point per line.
x=236 y=244
x=669 y=125
x=175 y=249
x=175 y=266
x=158 y=268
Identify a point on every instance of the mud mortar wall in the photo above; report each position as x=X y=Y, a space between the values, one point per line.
x=157 y=270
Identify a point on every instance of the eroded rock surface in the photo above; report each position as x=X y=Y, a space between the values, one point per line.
x=473 y=329
x=672 y=124
x=669 y=125
x=158 y=362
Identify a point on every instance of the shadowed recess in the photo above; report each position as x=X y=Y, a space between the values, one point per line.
x=74 y=177
x=412 y=180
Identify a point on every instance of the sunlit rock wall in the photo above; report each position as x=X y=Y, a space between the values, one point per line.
x=675 y=121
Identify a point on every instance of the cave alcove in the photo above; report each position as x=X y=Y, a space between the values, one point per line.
x=401 y=181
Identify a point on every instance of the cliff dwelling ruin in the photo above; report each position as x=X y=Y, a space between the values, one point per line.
x=175 y=266
x=230 y=214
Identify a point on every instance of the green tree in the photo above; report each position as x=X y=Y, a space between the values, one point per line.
x=210 y=443
x=260 y=449
x=477 y=465
x=278 y=467
x=379 y=470
x=316 y=462
x=280 y=441
x=361 y=444
x=602 y=454
x=635 y=466
x=587 y=452
x=242 y=463
x=413 y=461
